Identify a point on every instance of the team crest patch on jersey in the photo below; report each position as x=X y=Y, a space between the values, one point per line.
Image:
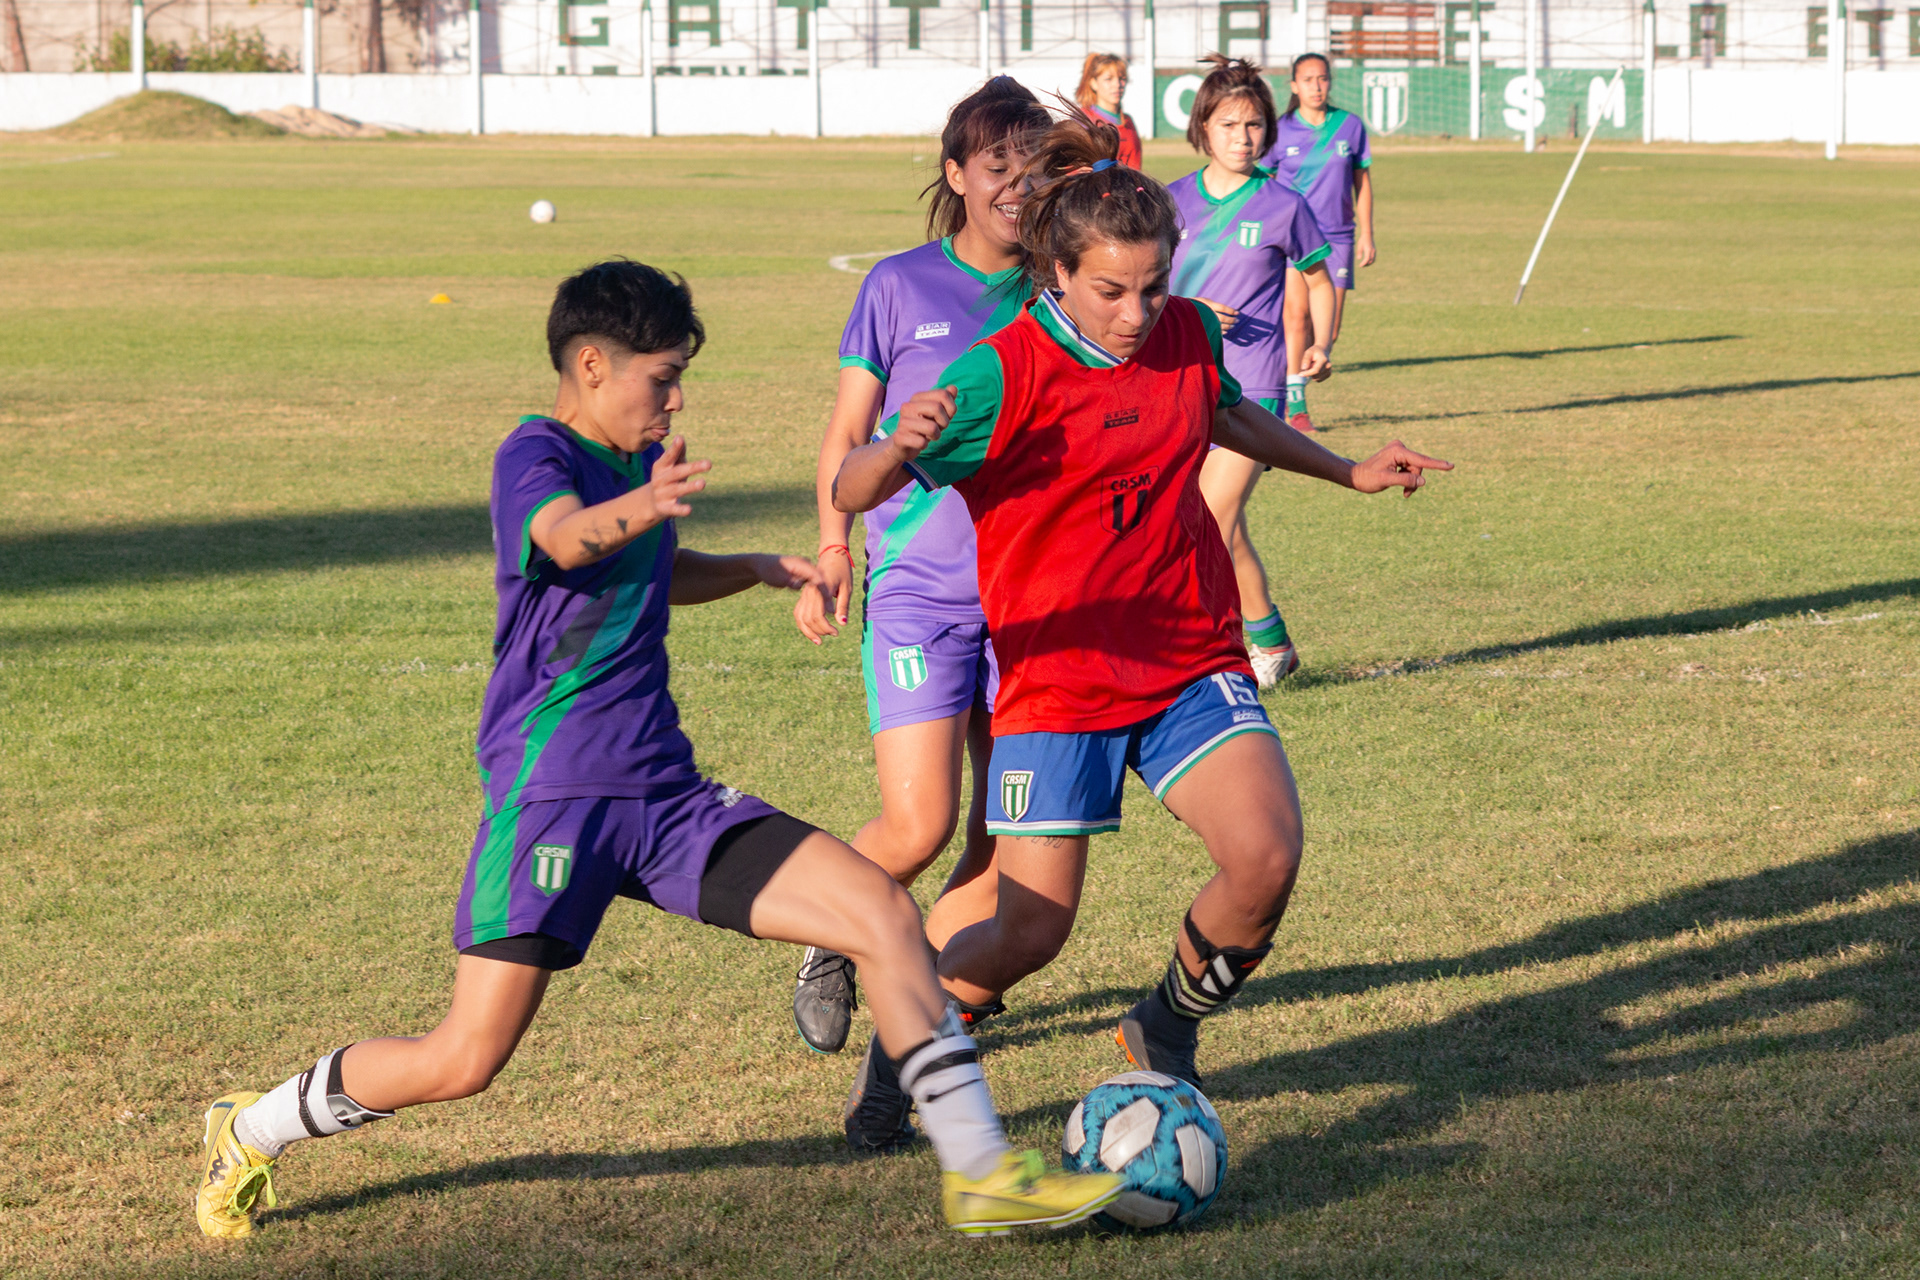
x=909 y=667
x=552 y=867
x=1250 y=235
x=1293 y=151
x=934 y=329
x=1123 y=500
x=1016 y=793
x=1341 y=146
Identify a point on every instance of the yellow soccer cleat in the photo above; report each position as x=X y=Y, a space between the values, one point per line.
x=236 y=1176
x=1022 y=1193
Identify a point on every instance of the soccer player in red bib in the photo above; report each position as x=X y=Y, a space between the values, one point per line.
x=1076 y=436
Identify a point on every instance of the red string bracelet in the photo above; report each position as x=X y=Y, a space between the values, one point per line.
x=841 y=547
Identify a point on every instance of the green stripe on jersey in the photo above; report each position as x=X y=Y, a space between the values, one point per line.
x=1313 y=259
x=1210 y=244
x=861 y=362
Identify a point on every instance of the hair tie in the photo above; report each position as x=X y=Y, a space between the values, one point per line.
x=1098 y=165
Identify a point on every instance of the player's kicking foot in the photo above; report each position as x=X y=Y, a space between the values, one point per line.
x=1272 y=665
x=1156 y=1039
x=824 y=1000
x=1022 y=1193
x=878 y=1109
x=236 y=1177
x=1302 y=423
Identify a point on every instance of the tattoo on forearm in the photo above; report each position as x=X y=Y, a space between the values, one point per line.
x=593 y=548
x=621 y=522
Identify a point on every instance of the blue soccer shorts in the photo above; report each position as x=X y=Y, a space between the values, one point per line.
x=1068 y=784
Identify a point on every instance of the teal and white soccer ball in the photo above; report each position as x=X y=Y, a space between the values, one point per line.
x=1159 y=1133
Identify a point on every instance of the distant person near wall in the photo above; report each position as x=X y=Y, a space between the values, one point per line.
x=1102 y=81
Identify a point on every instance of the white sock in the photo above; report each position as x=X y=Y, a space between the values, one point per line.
x=943 y=1077
x=310 y=1105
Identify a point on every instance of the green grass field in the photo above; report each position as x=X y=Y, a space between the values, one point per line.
x=1603 y=960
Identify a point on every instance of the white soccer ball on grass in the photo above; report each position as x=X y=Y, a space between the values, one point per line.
x=542 y=211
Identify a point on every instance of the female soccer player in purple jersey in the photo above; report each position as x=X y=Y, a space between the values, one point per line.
x=924 y=647
x=1250 y=250
x=1322 y=153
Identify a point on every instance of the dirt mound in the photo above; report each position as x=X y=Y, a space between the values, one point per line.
x=154 y=115
x=311 y=122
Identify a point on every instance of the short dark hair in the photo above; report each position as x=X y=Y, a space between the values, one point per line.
x=1230 y=78
x=621 y=301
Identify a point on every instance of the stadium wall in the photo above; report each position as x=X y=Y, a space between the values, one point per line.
x=1725 y=104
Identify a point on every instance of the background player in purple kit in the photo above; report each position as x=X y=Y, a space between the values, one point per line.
x=1322 y=153
x=924 y=647
x=590 y=791
x=1251 y=251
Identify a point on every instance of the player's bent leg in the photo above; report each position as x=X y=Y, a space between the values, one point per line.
x=919 y=767
x=1217 y=764
x=1226 y=482
x=825 y=893
x=493 y=1003
x=1038 y=881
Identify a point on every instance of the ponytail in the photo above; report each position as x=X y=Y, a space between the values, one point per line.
x=1081 y=195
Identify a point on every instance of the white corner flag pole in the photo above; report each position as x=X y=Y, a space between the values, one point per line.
x=1593 y=127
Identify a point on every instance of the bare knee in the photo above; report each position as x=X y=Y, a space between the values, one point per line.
x=915 y=838
x=1030 y=947
x=883 y=921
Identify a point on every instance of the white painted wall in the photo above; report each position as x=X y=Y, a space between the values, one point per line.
x=1726 y=104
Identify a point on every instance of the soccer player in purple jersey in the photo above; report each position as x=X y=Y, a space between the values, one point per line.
x=925 y=652
x=1322 y=153
x=1250 y=250
x=589 y=790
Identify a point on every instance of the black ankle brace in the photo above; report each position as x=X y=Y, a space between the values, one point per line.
x=972 y=1015
x=1223 y=971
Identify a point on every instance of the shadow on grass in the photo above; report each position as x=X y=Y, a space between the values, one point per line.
x=63 y=559
x=1635 y=397
x=1538 y=354
x=1572 y=1036
x=1691 y=622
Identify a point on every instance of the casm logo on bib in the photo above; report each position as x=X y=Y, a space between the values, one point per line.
x=1123 y=500
x=909 y=667
x=1016 y=793
x=552 y=867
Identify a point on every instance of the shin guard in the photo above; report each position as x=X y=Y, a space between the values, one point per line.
x=1223 y=971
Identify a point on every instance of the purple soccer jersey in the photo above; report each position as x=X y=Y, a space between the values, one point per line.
x=578 y=702
x=1236 y=251
x=916 y=313
x=1320 y=164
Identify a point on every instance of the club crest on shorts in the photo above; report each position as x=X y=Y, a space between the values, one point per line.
x=909 y=667
x=1016 y=793
x=552 y=867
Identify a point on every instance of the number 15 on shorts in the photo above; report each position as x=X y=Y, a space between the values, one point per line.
x=1236 y=689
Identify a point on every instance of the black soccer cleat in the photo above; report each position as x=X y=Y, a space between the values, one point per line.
x=824 y=1000
x=1154 y=1038
x=878 y=1110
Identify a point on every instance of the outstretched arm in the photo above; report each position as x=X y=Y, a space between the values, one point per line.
x=572 y=535
x=1248 y=429
x=699 y=577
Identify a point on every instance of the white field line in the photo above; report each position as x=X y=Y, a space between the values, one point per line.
x=844 y=262
x=91 y=155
